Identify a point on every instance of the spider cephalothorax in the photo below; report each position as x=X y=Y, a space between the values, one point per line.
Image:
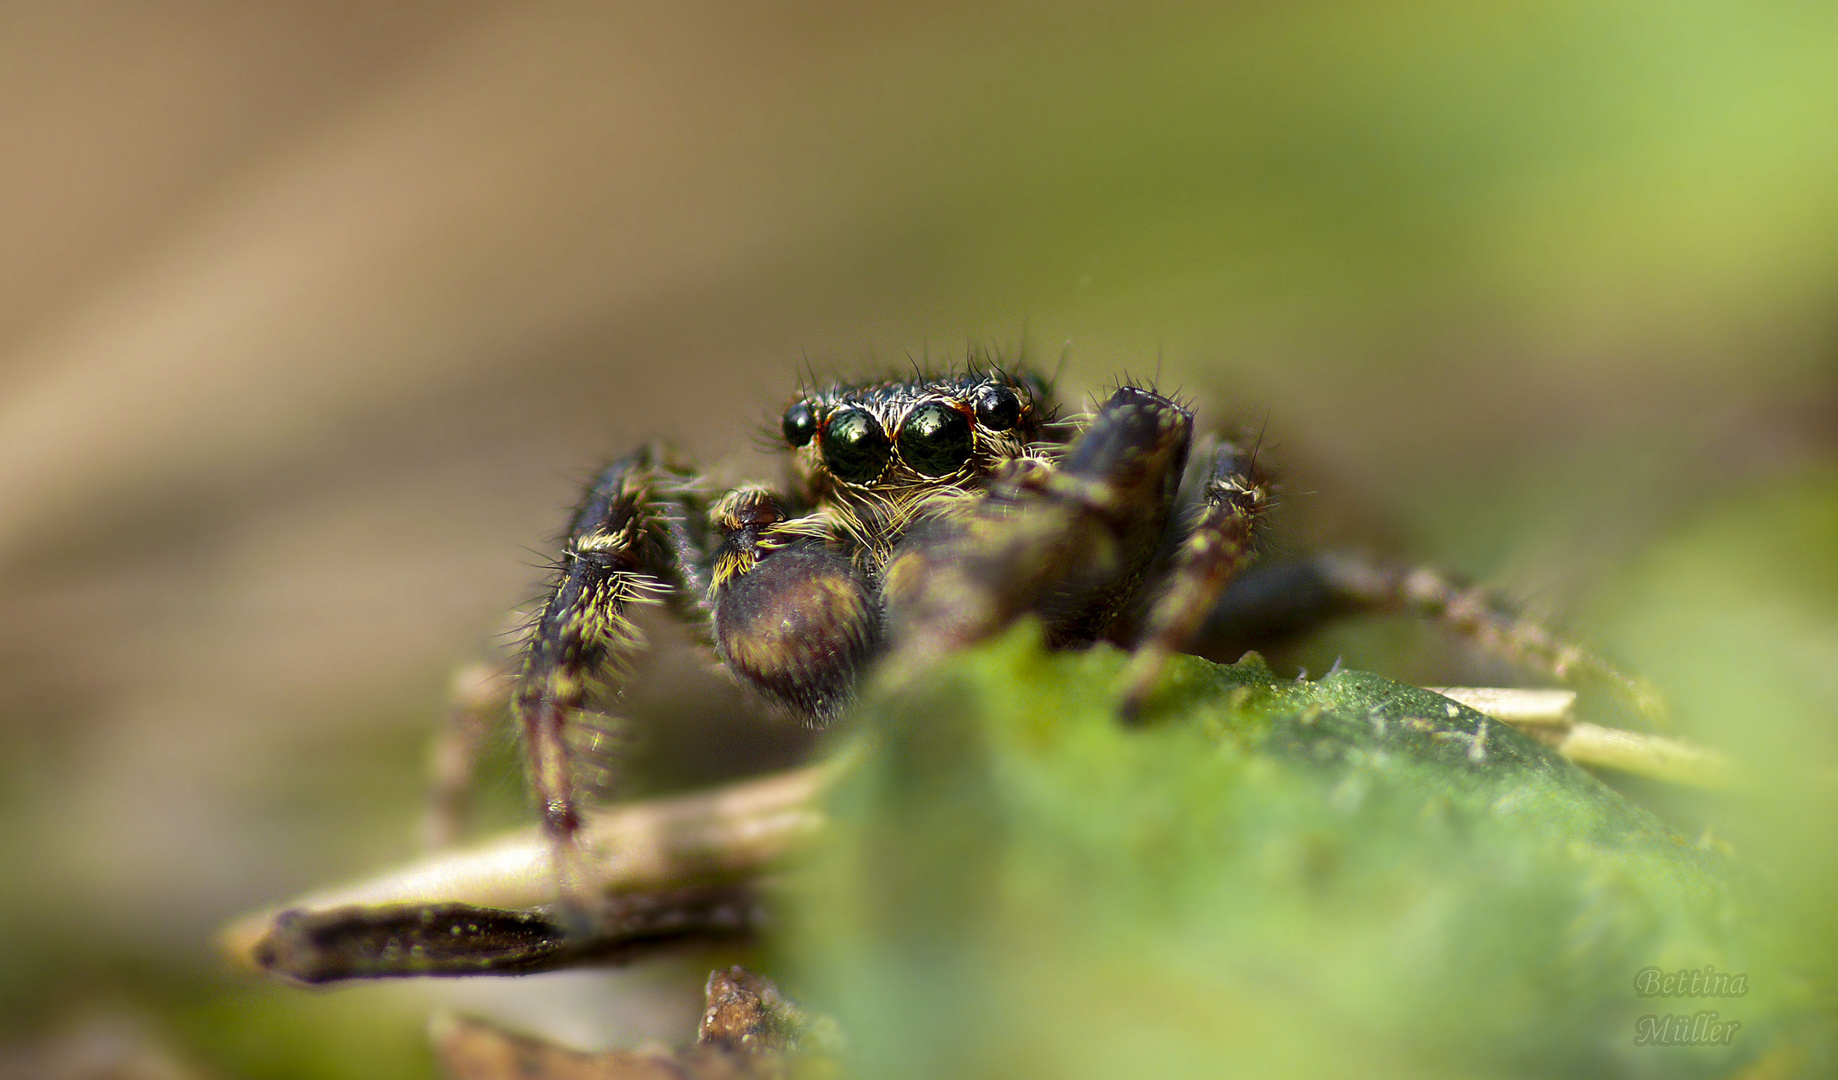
x=881 y=456
x=922 y=514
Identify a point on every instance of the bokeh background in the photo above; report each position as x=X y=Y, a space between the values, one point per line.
x=312 y=316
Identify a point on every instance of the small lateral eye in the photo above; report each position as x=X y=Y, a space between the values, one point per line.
x=935 y=439
x=799 y=425
x=854 y=446
x=997 y=408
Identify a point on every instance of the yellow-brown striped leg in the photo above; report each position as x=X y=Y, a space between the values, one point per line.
x=1358 y=581
x=1217 y=545
x=632 y=540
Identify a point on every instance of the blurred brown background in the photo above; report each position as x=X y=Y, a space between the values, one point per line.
x=312 y=316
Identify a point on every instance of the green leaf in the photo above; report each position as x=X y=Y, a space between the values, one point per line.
x=1342 y=877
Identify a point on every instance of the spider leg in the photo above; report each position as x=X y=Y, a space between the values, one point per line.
x=481 y=694
x=1068 y=543
x=1482 y=616
x=1292 y=597
x=634 y=539
x=1215 y=546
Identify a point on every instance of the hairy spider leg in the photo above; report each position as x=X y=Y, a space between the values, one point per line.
x=634 y=539
x=1296 y=596
x=1482 y=616
x=1216 y=544
x=1070 y=544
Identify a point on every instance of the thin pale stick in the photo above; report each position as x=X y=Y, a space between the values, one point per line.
x=1550 y=717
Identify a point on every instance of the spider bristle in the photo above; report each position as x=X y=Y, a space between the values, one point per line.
x=766 y=439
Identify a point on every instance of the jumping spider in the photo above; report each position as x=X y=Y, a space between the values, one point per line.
x=921 y=515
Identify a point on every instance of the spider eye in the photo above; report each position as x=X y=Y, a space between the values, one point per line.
x=799 y=425
x=997 y=408
x=854 y=446
x=935 y=439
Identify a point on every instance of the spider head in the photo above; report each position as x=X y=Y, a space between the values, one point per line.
x=895 y=439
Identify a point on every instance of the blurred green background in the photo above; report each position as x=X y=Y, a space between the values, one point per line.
x=311 y=317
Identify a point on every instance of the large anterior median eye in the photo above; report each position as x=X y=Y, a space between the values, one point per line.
x=854 y=446
x=935 y=439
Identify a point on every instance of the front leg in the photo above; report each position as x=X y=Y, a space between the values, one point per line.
x=634 y=539
x=1215 y=547
x=1069 y=544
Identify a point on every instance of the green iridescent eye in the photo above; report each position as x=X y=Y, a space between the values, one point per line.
x=854 y=446
x=935 y=439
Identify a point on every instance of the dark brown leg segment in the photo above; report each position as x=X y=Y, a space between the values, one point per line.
x=1070 y=544
x=1216 y=546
